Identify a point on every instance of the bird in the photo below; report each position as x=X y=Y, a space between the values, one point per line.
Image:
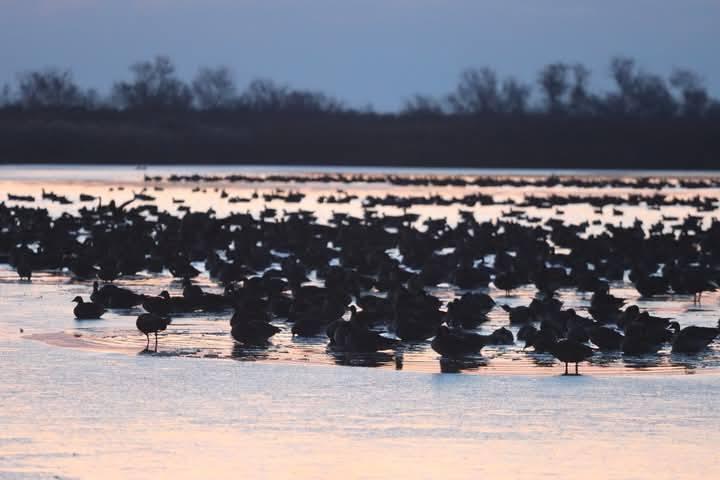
x=87 y=310
x=354 y=336
x=651 y=285
x=693 y=339
x=520 y=314
x=569 y=351
x=24 y=268
x=251 y=326
x=112 y=296
x=606 y=338
x=149 y=323
x=456 y=343
x=639 y=340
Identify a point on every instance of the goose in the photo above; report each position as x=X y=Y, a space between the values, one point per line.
x=252 y=331
x=112 y=296
x=149 y=323
x=520 y=314
x=569 y=351
x=456 y=343
x=606 y=338
x=87 y=310
x=353 y=336
x=693 y=339
x=24 y=268
x=637 y=341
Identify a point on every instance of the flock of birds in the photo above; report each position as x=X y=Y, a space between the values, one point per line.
x=371 y=275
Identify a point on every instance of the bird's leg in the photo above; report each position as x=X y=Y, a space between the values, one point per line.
x=576 y=369
x=155 y=342
x=147 y=346
x=566 y=368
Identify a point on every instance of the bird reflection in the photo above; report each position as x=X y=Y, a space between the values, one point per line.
x=247 y=353
x=641 y=362
x=457 y=365
x=605 y=359
x=354 y=359
x=541 y=359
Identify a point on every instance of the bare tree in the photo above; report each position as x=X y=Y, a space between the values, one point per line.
x=652 y=96
x=214 y=88
x=265 y=96
x=622 y=70
x=514 y=96
x=6 y=95
x=49 y=88
x=310 y=101
x=155 y=86
x=422 y=105
x=554 y=83
x=639 y=93
x=695 y=97
x=581 y=101
x=477 y=92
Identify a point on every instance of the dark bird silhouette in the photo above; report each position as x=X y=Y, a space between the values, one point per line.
x=24 y=267
x=693 y=339
x=456 y=343
x=606 y=338
x=541 y=340
x=507 y=281
x=568 y=351
x=112 y=296
x=649 y=286
x=149 y=323
x=639 y=340
x=354 y=336
x=87 y=310
x=251 y=326
x=520 y=314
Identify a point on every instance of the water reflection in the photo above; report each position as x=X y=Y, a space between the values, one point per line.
x=541 y=359
x=355 y=359
x=641 y=362
x=246 y=353
x=455 y=365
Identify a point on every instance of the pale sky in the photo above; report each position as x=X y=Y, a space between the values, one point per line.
x=363 y=51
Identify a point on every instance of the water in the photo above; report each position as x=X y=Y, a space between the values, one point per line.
x=80 y=400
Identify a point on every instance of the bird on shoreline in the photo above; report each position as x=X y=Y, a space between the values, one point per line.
x=568 y=351
x=87 y=310
x=149 y=323
x=693 y=339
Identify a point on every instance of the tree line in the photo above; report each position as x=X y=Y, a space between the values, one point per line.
x=561 y=89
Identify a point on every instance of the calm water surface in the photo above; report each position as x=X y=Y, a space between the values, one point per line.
x=80 y=400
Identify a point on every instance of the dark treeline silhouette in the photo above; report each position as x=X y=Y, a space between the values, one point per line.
x=646 y=121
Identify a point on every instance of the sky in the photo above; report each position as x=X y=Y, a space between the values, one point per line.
x=367 y=52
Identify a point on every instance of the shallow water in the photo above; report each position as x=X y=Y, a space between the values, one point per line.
x=80 y=400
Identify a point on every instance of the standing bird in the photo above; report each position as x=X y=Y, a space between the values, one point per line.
x=87 y=310
x=568 y=351
x=24 y=268
x=149 y=323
